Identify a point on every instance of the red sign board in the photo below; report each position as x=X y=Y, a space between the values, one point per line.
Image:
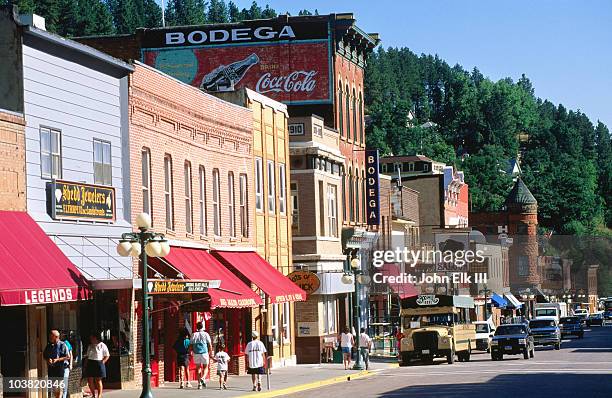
x=291 y=72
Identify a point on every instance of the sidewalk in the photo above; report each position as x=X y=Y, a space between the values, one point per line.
x=283 y=381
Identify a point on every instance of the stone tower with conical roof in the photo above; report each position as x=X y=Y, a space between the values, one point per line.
x=522 y=210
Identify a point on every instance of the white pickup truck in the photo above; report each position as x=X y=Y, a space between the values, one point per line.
x=558 y=310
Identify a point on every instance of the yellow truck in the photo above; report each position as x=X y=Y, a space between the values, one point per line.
x=435 y=326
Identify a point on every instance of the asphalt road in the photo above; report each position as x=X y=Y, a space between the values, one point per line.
x=581 y=369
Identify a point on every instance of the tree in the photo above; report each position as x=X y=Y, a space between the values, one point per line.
x=234 y=12
x=268 y=12
x=68 y=20
x=127 y=15
x=255 y=12
x=152 y=14
x=485 y=173
x=94 y=18
x=185 y=12
x=217 y=11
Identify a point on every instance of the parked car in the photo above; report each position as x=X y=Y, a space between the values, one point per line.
x=512 y=339
x=546 y=331
x=571 y=325
x=484 y=335
x=582 y=313
x=607 y=315
x=595 y=319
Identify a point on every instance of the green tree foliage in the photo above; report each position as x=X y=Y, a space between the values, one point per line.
x=218 y=11
x=185 y=12
x=233 y=11
x=94 y=18
x=566 y=161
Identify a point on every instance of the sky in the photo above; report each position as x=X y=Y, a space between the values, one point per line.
x=564 y=47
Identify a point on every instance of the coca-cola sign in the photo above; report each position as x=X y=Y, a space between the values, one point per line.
x=293 y=73
x=298 y=81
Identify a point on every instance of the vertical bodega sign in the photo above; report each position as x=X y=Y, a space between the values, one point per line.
x=372 y=189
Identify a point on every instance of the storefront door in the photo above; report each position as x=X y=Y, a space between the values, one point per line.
x=156 y=328
x=171 y=322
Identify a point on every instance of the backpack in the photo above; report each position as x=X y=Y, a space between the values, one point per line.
x=199 y=344
x=179 y=347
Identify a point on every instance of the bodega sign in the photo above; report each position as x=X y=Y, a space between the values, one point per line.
x=372 y=187
x=261 y=33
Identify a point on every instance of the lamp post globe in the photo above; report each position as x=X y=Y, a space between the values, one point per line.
x=153 y=249
x=165 y=248
x=136 y=249
x=123 y=248
x=143 y=221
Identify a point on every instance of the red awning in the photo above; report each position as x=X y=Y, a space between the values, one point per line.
x=402 y=288
x=257 y=270
x=200 y=264
x=33 y=270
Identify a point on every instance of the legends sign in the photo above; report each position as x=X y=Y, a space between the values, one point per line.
x=77 y=201
x=178 y=286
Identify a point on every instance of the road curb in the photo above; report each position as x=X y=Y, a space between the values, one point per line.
x=314 y=384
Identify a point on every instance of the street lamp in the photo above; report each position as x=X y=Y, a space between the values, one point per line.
x=357 y=279
x=155 y=245
x=485 y=291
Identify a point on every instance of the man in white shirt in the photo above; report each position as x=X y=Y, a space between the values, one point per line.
x=365 y=344
x=256 y=358
x=201 y=346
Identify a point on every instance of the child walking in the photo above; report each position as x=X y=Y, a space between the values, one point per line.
x=222 y=360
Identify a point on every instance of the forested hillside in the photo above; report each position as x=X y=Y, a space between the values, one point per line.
x=479 y=124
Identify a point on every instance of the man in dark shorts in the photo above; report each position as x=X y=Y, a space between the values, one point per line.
x=256 y=359
x=57 y=356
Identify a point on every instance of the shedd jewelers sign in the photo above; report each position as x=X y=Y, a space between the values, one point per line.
x=77 y=201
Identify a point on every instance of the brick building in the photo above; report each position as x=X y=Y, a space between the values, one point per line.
x=519 y=221
x=272 y=209
x=313 y=64
x=192 y=170
x=316 y=164
x=191 y=156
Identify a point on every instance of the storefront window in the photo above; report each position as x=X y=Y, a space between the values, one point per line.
x=286 y=319
x=274 y=323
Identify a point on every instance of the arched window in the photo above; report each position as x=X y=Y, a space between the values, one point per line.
x=216 y=199
x=231 y=205
x=147 y=198
x=168 y=196
x=202 y=202
x=340 y=111
x=360 y=118
x=348 y=113
x=188 y=199
x=356 y=131
x=343 y=178
x=351 y=201
x=363 y=197
x=357 y=197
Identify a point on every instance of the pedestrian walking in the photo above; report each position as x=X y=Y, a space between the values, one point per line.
x=256 y=358
x=398 y=342
x=97 y=355
x=347 y=341
x=67 y=370
x=365 y=345
x=222 y=360
x=181 y=347
x=202 y=352
x=57 y=357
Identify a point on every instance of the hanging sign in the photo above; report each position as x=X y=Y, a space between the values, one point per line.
x=372 y=187
x=78 y=201
x=306 y=280
x=178 y=286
